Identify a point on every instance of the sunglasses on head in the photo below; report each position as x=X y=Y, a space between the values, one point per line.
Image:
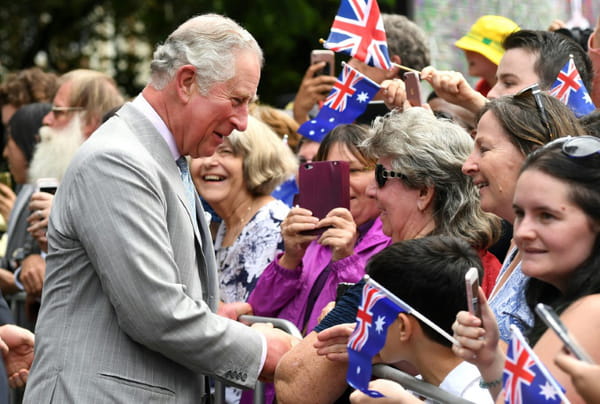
x=578 y=146
x=534 y=90
x=381 y=175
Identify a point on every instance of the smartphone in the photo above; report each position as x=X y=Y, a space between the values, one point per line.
x=323 y=55
x=412 y=82
x=48 y=185
x=323 y=185
x=472 y=287
x=6 y=179
x=549 y=316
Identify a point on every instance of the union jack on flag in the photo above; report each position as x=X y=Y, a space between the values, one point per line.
x=569 y=88
x=379 y=309
x=347 y=101
x=358 y=31
x=343 y=89
x=525 y=378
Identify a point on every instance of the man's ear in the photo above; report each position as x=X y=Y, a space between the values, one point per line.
x=405 y=326
x=185 y=80
x=425 y=198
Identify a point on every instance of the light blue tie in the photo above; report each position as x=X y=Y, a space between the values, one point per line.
x=187 y=183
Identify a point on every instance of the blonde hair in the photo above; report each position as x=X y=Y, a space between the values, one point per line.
x=267 y=161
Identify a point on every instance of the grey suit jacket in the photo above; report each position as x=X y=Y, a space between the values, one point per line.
x=123 y=316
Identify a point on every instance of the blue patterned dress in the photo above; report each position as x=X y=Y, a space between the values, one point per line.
x=259 y=242
x=508 y=303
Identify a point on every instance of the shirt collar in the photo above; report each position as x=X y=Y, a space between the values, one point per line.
x=142 y=105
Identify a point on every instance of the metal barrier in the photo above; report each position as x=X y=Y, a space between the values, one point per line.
x=259 y=389
x=418 y=386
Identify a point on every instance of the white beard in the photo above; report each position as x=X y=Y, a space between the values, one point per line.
x=55 y=150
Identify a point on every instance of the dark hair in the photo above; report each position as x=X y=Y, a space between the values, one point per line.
x=28 y=86
x=350 y=135
x=24 y=126
x=582 y=175
x=552 y=51
x=520 y=117
x=591 y=123
x=428 y=274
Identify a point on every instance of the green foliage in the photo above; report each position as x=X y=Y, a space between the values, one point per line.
x=74 y=33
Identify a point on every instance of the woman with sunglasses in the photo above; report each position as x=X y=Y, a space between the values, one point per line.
x=557 y=224
x=508 y=129
x=419 y=191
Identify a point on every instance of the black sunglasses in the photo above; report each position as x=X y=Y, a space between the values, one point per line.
x=381 y=175
x=578 y=146
x=534 y=89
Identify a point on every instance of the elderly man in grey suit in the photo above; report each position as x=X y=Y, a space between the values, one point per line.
x=124 y=317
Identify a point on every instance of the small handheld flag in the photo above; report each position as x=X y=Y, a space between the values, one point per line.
x=358 y=31
x=569 y=88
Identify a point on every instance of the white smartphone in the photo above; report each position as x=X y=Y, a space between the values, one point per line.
x=549 y=316
x=48 y=185
x=472 y=287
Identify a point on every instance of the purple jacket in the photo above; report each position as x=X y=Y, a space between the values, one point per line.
x=283 y=293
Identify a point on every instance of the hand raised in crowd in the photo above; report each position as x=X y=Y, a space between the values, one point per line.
x=33 y=270
x=584 y=376
x=394 y=394
x=312 y=90
x=333 y=342
x=7 y=200
x=16 y=344
x=40 y=205
x=453 y=87
x=341 y=236
x=394 y=94
x=479 y=341
x=295 y=243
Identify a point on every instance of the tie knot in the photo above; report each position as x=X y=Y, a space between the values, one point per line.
x=182 y=164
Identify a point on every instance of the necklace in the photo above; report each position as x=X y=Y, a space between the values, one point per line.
x=234 y=231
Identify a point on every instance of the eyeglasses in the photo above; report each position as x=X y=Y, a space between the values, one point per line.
x=578 y=146
x=534 y=89
x=381 y=175
x=63 y=111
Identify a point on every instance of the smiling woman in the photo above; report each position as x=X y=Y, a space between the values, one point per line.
x=236 y=181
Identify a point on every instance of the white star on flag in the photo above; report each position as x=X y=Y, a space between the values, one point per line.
x=362 y=97
x=548 y=391
x=379 y=323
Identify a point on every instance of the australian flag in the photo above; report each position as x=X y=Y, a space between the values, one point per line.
x=358 y=31
x=569 y=88
x=346 y=102
x=375 y=314
x=525 y=379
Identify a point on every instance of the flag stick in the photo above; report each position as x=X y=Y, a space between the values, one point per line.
x=410 y=69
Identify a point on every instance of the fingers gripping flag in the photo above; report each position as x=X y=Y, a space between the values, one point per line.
x=346 y=102
x=358 y=31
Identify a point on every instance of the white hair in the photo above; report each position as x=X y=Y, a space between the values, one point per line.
x=210 y=43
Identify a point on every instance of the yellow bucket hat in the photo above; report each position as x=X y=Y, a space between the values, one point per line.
x=486 y=36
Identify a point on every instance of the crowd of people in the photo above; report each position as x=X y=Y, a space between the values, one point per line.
x=174 y=214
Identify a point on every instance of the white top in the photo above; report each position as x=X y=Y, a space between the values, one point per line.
x=463 y=382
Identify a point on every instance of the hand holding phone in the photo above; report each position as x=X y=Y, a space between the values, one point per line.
x=412 y=83
x=472 y=287
x=323 y=55
x=551 y=319
x=48 y=185
x=323 y=186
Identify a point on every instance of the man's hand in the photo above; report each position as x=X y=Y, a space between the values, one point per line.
x=33 y=270
x=454 y=88
x=17 y=351
x=234 y=310
x=278 y=344
x=40 y=205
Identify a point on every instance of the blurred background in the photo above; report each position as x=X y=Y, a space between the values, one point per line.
x=118 y=36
